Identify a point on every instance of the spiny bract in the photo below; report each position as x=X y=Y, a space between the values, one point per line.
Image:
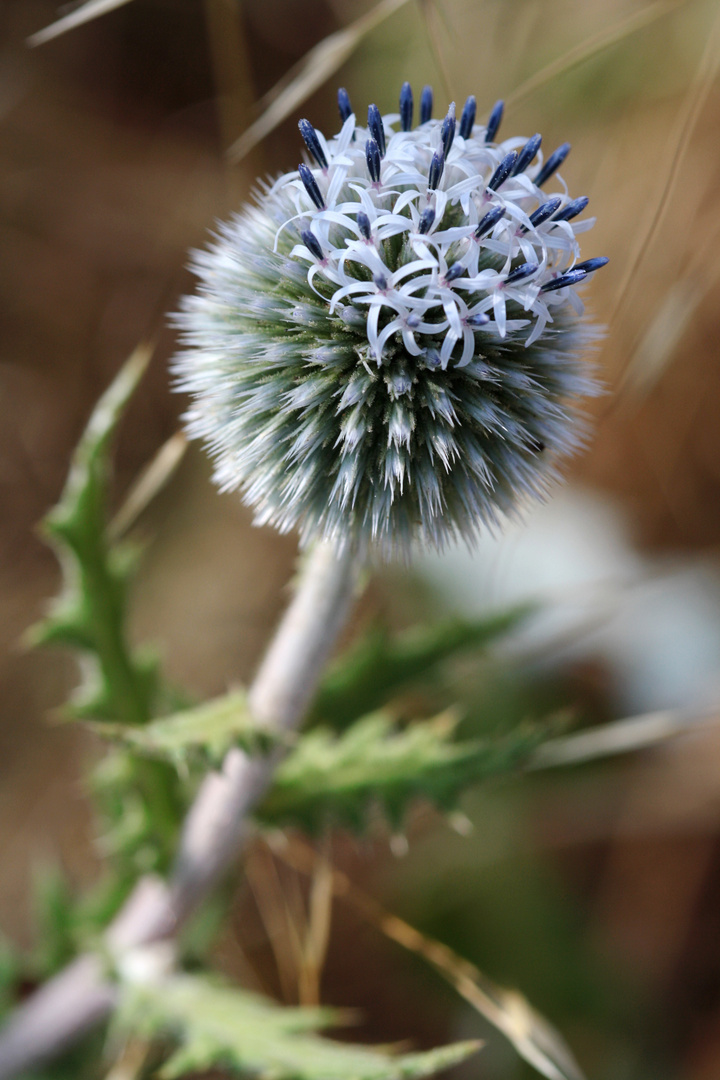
x=384 y=348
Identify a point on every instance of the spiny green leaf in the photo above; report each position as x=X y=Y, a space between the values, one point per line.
x=208 y=730
x=119 y=686
x=380 y=665
x=84 y=495
x=217 y=1026
x=67 y=625
x=90 y=613
x=335 y=779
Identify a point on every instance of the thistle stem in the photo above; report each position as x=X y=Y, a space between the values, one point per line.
x=81 y=996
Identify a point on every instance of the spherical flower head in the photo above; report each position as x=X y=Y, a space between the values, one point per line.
x=385 y=348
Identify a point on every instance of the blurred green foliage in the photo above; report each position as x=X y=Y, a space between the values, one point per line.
x=331 y=776
x=220 y=1026
x=338 y=780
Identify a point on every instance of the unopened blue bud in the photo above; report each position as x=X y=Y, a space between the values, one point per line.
x=426 y=220
x=312 y=243
x=344 y=104
x=520 y=273
x=372 y=157
x=447 y=131
x=406 y=107
x=312 y=142
x=545 y=211
x=572 y=277
x=455 y=271
x=503 y=170
x=436 y=170
x=552 y=164
x=494 y=121
x=375 y=127
x=363 y=222
x=310 y=184
x=426 y=104
x=432 y=359
x=592 y=264
x=527 y=154
x=572 y=209
x=467 y=118
x=489 y=221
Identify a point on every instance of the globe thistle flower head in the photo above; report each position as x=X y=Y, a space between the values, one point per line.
x=384 y=347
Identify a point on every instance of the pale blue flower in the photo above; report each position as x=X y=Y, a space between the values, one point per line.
x=385 y=347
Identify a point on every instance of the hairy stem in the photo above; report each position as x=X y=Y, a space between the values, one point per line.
x=81 y=996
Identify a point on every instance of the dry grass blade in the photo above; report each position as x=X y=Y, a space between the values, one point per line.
x=132 y=1060
x=93 y=9
x=317 y=937
x=659 y=342
x=620 y=737
x=587 y=49
x=432 y=15
x=280 y=927
x=676 y=311
x=683 y=129
x=318 y=65
x=532 y=1036
x=151 y=481
x=232 y=67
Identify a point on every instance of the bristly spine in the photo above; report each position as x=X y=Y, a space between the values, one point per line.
x=380 y=344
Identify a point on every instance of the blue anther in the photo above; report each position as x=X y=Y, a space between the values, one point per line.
x=467 y=118
x=406 y=107
x=447 y=131
x=436 y=170
x=480 y=319
x=426 y=220
x=494 y=121
x=363 y=223
x=380 y=282
x=310 y=184
x=344 y=104
x=592 y=264
x=572 y=277
x=489 y=221
x=375 y=126
x=503 y=170
x=312 y=142
x=426 y=104
x=544 y=211
x=553 y=162
x=455 y=271
x=520 y=272
x=372 y=157
x=312 y=243
x=572 y=209
x=527 y=154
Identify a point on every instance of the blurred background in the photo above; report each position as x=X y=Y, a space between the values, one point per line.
x=593 y=890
